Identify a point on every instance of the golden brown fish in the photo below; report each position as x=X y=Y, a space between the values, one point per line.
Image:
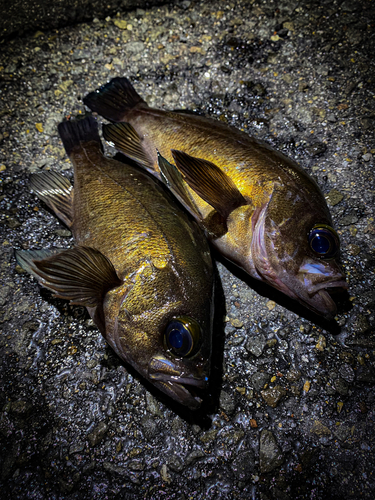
x=141 y=266
x=259 y=208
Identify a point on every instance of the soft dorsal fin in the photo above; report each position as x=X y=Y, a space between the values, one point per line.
x=56 y=192
x=209 y=182
x=125 y=139
x=82 y=275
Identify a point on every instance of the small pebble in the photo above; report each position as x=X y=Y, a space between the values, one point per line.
x=321 y=344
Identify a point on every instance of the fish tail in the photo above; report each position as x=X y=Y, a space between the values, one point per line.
x=114 y=100
x=73 y=132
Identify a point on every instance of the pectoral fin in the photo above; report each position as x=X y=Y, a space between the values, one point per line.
x=56 y=192
x=214 y=224
x=82 y=275
x=209 y=182
x=173 y=179
x=125 y=139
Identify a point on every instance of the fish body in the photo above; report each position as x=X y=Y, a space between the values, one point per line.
x=141 y=266
x=260 y=209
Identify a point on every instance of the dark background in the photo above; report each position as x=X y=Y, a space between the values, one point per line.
x=18 y=18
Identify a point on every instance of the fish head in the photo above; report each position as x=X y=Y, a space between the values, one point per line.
x=296 y=249
x=164 y=333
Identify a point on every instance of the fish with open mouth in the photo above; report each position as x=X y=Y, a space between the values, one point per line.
x=141 y=265
x=259 y=208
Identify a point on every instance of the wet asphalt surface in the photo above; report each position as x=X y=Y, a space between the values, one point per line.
x=291 y=409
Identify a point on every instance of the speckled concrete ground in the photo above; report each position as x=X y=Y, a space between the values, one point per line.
x=292 y=409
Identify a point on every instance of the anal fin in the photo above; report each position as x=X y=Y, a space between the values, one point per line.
x=125 y=139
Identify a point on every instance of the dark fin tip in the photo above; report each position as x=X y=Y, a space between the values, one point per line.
x=114 y=99
x=73 y=132
x=26 y=258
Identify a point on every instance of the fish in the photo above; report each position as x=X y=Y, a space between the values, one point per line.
x=140 y=265
x=258 y=207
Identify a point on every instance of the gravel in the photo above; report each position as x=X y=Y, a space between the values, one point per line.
x=292 y=405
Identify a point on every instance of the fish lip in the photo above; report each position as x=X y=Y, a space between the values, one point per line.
x=183 y=393
x=330 y=304
x=338 y=285
x=182 y=388
x=324 y=305
x=199 y=383
x=161 y=368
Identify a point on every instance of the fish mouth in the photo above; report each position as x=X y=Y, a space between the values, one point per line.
x=333 y=286
x=314 y=296
x=170 y=379
x=184 y=391
x=319 y=297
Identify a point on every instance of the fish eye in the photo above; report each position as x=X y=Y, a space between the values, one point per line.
x=182 y=336
x=324 y=241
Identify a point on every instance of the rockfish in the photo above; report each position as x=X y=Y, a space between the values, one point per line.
x=141 y=265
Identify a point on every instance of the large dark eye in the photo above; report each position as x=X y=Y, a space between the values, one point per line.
x=324 y=241
x=182 y=336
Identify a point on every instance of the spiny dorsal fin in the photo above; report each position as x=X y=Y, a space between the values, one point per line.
x=209 y=182
x=82 y=275
x=56 y=192
x=125 y=139
x=114 y=100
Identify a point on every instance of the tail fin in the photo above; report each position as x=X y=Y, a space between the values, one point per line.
x=73 y=132
x=114 y=100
